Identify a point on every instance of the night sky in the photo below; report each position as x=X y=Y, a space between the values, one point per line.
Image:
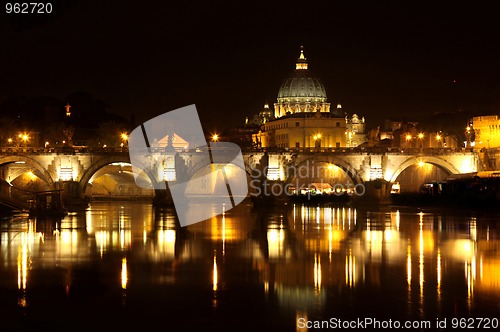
x=378 y=59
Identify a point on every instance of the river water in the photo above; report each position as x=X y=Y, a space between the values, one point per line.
x=124 y=266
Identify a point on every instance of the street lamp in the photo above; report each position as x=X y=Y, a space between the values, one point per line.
x=215 y=138
x=421 y=137
x=124 y=137
x=438 y=139
x=23 y=137
x=408 y=139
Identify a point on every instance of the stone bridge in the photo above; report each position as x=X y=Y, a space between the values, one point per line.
x=73 y=169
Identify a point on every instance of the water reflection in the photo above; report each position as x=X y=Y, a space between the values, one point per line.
x=301 y=261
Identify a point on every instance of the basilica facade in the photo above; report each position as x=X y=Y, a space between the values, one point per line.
x=303 y=117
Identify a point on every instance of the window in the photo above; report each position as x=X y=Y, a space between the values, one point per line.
x=338 y=124
x=297 y=124
x=297 y=144
x=337 y=145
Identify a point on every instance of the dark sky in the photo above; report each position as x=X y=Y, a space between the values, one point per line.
x=379 y=59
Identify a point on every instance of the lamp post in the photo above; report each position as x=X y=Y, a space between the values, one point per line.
x=408 y=140
x=24 y=138
x=438 y=140
x=421 y=138
x=124 y=137
x=317 y=140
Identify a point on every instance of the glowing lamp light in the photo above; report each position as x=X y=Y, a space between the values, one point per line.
x=438 y=137
x=215 y=137
x=408 y=137
x=420 y=135
x=421 y=164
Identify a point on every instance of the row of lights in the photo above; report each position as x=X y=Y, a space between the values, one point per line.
x=421 y=136
x=24 y=138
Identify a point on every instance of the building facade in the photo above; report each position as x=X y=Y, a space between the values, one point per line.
x=355 y=130
x=484 y=132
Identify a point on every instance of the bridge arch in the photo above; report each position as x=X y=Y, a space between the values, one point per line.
x=436 y=161
x=191 y=171
x=30 y=162
x=348 y=168
x=96 y=169
x=233 y=174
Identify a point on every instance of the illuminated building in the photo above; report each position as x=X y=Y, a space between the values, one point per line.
x=355 y=130
x=486 y=130
x=303 y=117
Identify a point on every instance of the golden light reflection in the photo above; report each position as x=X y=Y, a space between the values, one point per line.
x=473 y=229
x=215 y=279
x=408 y=273
x=317 y=272
x=124 y=274
x=224 y=229
x=408 y=265
x=421 y=260
x=350 y=270
x=470 y=276
x=397 y=219
x=276 y=242
x=438 y=274
x=89 y=221
x=166 y=242
x=22 y=264
x=489 y=275
x=223 y=233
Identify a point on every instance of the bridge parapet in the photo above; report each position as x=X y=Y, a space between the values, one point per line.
x=370 y=150
x=80 y=164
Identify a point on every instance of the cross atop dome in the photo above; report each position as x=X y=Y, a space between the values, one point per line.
x=301 y=61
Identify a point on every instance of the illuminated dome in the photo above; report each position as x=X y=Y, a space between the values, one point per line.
x=301 y=92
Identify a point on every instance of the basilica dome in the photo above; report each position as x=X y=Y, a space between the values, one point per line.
x=302 y=86
x=301 y=92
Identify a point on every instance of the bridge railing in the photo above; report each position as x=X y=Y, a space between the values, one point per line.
x=59 y=150
x=343 y=150
x=362 y=150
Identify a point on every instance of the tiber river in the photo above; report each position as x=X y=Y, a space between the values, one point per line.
x=122 y=266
